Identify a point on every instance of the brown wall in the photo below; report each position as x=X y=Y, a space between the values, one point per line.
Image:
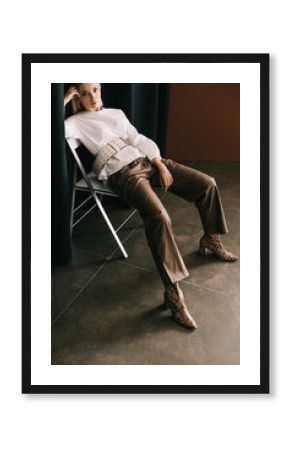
x=204 y=122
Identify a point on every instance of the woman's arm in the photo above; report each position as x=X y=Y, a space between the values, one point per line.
x=152 y=151
x=70 y=93
x=165 y=177
x=143 y=143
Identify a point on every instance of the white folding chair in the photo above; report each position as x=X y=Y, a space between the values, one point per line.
x=90 y=183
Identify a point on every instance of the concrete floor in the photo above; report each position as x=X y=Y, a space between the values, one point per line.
x=109 y=312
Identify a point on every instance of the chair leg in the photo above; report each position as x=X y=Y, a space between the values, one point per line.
x=104 y=214
x=72 y=211
x=75 y=170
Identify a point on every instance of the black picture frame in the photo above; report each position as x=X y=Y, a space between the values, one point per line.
x=263 y=61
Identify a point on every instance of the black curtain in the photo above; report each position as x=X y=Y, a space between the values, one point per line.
x=61 y=182
x=146 y=106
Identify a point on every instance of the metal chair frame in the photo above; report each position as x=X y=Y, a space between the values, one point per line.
x=90 y=183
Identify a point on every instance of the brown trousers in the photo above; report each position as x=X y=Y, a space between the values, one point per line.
x=134 y=184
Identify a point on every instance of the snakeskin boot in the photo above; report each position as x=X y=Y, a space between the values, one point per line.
x=213 y=242
x=174 y=299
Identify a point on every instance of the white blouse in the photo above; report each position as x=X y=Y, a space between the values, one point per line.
x=94 y=129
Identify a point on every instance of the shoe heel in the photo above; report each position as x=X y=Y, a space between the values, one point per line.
x=202 y=249
x=165 y=303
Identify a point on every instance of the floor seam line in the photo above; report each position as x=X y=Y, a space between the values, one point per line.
x=77 y=294
x=91 y=278
x=200 y=286
x=182 y=281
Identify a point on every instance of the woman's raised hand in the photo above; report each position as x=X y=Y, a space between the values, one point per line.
x=70 y=93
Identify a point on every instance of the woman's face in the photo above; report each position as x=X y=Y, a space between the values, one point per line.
x=90 y=96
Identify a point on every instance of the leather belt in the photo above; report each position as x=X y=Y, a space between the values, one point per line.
x=110 y=149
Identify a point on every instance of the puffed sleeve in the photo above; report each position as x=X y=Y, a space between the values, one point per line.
x=70 y=134
x=146 y=145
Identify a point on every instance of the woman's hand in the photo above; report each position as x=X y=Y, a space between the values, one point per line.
x=165 y=177
x=70 y=93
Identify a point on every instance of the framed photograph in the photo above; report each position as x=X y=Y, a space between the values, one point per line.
x=145 y=208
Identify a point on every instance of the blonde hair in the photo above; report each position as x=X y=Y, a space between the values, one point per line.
x=75 y=102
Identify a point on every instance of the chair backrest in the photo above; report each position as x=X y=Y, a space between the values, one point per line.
x=81 y=168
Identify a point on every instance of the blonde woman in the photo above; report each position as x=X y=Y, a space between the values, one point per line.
x=132 y=164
